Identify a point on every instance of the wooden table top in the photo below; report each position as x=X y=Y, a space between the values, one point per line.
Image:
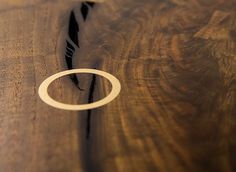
x=175 y=60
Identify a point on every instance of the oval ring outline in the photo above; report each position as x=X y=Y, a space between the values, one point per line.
x=43 y=90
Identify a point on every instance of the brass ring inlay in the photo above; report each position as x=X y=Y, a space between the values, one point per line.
x=43 y=90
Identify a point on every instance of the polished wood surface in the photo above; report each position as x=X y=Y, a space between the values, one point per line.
x=175 y=59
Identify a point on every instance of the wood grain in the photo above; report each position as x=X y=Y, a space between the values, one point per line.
x=175 y=59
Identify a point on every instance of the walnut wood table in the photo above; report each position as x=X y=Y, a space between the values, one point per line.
x=175 y=60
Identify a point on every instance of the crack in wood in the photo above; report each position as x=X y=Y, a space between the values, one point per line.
x=73 y=32
x=84 y=9
x=73 y=29
x=90 y=100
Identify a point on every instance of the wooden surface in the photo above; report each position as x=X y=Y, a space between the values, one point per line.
x=175 y=59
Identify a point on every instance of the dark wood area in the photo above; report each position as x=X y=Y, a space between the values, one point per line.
x=175 y=59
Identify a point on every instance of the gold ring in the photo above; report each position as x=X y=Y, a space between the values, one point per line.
x=43 y=90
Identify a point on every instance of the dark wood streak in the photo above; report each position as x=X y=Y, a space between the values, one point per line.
x=90 y=100
x=73 y=29
x=73 y=32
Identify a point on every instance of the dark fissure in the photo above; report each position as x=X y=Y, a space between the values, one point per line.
x=72 y=46
x=90 y=100
x=73 y=32
x=84 y=9
x=73 y=29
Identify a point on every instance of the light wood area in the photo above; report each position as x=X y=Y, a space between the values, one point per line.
x=175 y=59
